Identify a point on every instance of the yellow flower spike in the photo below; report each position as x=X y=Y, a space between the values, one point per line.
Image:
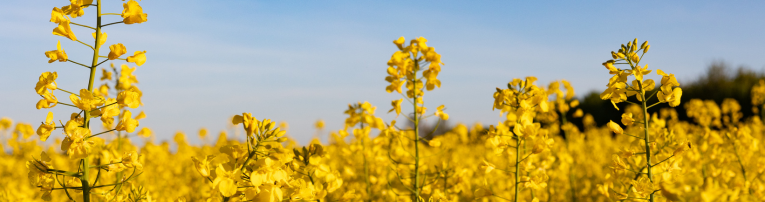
x=127 y=123
x=101 y=40
x=46 y=81
x=140 y=116
x=58 y=54
x=133 y=13
x=615 y=127
x=46 y=127
x=627 y=119
x=145 y=132
x=139 y=57
x=440 y=113
x=116 y=51
x=63 y=29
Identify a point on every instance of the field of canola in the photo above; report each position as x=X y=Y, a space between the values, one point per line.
x=535 y=154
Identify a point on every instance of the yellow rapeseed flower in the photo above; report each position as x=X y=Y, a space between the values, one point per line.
x=139 y=57
x=133 y=13
x=127 y=123
x=87 y=100
x=440 y=113
x=46 y=127
x=615 y=127
x=46 y=81
x=58 y=54
x=116 y=51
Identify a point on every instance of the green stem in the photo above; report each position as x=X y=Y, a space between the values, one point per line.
x=86 y=162
x=97 y=134
x=415 y=185
x=112 y=23
x=84 y=25
x=647 y=140
x=83 y=43
x=78 y=63
x=366 y=167
x=67 y=92
x=417 y=117
x=517 y=166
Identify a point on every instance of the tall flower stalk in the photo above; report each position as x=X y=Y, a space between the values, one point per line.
x=619 y=90
x=80 y=143
x=404 y=69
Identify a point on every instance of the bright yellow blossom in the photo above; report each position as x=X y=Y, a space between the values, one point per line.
x=46 y=81
x=486 y=167
x=225 y=181
x=49 y=101
x=116 y=51
x=141 y=115
x=58 y=54
x=76 y=144
x=440 y=113
x=87 y=100
x=627 y=119
x=105 y=75
x=127 y=123
x=139 y=57
x=396 y=106
x=102 y=38
x=46 y=127
x=250 y=123
x=129 y=98
x=133 y=13
x=63 y=29
x=76 y=6
x=57 y=16
x=615 y=127
x=145 y=132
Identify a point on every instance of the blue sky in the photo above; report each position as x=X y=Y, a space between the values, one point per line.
x=299 y=61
